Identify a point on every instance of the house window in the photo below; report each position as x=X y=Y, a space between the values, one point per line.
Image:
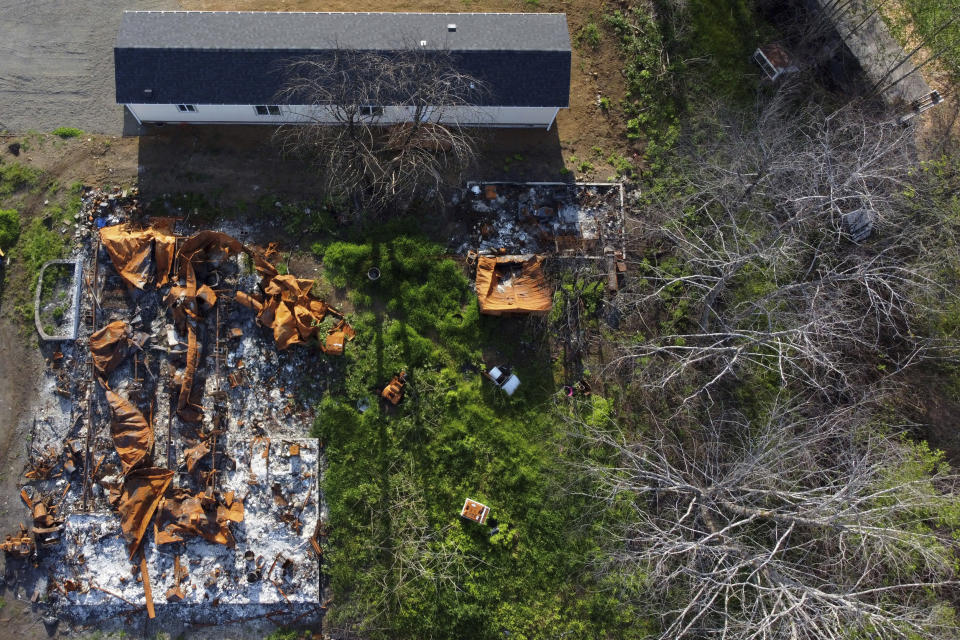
x=187 y=108
x=371 y=111
x=267 y=110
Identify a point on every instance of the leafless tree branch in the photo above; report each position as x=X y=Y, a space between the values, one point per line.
x=795 y=527
x=382 y=129
x=757 y=235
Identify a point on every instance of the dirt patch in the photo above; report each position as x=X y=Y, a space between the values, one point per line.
x=20 y=367
x=241 y=163
x=91 y=159
x=940 y=412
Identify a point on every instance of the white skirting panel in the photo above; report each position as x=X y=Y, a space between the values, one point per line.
x=246 y=114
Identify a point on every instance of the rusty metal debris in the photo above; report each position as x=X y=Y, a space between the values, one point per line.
x=616 y=270
x=193 y=455
x=164 y=346
x=175 y=593
x=394 y=389
x=131 y=250
x=110 y=346
x=337 y=337
x=20 y=545
x=183 y=513
x=294 y=314
x=147 y=590
x=40 y=468
x=132 y=434
x=142 y=492
x=473 y=510
x=545 y=218
x=513 y=285
x=46 y=525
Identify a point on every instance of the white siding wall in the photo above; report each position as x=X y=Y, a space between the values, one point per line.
x=227 y=113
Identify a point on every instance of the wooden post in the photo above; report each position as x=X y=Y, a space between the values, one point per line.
x=91 y=389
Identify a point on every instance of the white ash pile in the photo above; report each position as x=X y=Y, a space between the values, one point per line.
x=182 y=386
x=273 y=566
x=555 y=219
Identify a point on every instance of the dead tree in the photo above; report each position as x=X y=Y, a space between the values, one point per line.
x=794 y=250
x=382 y=129
x=823 y=527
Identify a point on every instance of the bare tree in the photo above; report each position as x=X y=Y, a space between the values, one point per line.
x=764 y=235
x=823 y=527
x=383 y=128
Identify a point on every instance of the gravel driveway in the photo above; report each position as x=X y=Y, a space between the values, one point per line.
x=56 y=63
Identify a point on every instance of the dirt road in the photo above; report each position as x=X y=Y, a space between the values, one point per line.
x=56 y=63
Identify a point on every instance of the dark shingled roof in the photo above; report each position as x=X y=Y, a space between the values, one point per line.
x=204 y=57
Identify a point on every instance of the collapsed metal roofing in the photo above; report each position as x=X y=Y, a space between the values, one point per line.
x=513 y=285
x=220 y=57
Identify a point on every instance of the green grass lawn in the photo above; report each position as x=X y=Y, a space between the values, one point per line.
x=403 y=564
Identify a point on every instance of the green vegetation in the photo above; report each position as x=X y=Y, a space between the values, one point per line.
x=9 y=228
x=15 y=176
x=651 y=103
x=300 y=218
x=622 y=165
x=510 y=161
x=38 y=245
x=589 y=35
x=67 y=132
x=726 y=33
x=402 y=562
x=719 y=36
x=289 y=634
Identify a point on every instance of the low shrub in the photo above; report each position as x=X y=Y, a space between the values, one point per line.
x=9 y=228
x=589 y=34
x=16 y=176
x=67 y=132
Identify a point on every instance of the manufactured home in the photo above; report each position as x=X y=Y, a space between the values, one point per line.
x=208 y=67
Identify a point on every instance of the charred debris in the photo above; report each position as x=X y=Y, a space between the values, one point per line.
x=167 y=464
x=514 y=227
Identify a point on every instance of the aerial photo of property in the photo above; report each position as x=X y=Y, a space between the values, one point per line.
x=480 y=320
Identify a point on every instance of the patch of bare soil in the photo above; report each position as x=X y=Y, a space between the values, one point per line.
x=91 y=159
x=584 y=130
x=934 y=406
x=227 y=164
